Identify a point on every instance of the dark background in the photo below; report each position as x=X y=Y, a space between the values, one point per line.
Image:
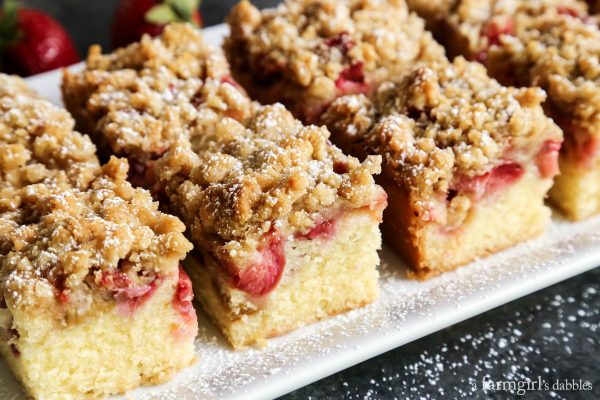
x=552 y=334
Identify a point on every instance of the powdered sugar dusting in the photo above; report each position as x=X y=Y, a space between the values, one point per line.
x=405 y=310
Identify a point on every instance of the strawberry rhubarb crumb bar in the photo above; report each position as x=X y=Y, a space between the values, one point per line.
x=554 y=45
x=466 y=162
x=306 y=53
x=92 y=299
x=136 y=100
x=285 y=225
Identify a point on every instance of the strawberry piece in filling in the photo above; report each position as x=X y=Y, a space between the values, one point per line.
x=61 y=292
x=492 y=31
x=352 y=80
x=585 y=148
x=563 y=10
x=323 y=230
x=491 y=182
x=580 y=146
x=547 y=158
x=129 y=297
x=182 y=300
x=498 y=27
x=262 y=275
x=343 y=42
x=228 y=79
x=142 y=173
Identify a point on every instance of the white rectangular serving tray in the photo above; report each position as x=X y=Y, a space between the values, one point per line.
x=406 y=310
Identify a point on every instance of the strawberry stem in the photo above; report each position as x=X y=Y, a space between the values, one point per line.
x=9 y=24
x=173 y=11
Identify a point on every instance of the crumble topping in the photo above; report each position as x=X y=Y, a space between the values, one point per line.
x=74 y=245
x=562 y=55
x=237 y=184
x=138 y=99
x=548 y=43
x=442 y=122
x=321 y=45
x=37 y=144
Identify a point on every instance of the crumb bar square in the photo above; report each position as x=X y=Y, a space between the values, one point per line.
x=306 y=53
x=554 y=45
x=466 y=162
x=135 y=101
x=93 y=301
x=285 y=226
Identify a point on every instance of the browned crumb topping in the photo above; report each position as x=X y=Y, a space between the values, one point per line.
x=73 y=246
x=562 y=55
x=37 y=144
x=546 y=43
x=235 y=184
x=312 y=43
x=442 y=122
x=139 y=98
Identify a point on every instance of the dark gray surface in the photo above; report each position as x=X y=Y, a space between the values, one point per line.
x=88 y=21
x=552 y=334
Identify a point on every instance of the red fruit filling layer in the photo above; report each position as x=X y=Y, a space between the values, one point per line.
x=129 y=297
x=493 y=30
x=260 y=277
x=60 y=290
x=489 y=183
x=229 y=80
x=141 y=174
x=547 y=159
x=182 y=300
x=568 y=11
x=496 y=28
x=352 y=80
x=583 y=148
x=323 y=230
x=343 y=42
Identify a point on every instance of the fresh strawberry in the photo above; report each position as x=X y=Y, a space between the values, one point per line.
x=31 y=42
x=134 y=18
